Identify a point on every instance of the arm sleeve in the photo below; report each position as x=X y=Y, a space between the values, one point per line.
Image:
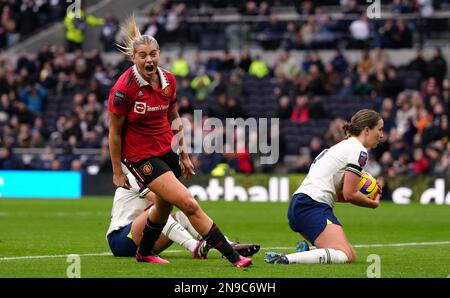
x=118 y=101
x=356 y=161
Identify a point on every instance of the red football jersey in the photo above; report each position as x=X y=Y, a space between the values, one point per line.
x=147 y=130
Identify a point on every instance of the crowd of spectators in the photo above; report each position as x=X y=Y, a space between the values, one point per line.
x=20 y=19
x=56 y=101
x=313 y=27
x=415 y=114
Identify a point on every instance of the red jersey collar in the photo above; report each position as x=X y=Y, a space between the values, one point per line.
x=142 y=82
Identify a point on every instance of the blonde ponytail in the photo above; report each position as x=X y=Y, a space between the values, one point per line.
x=132 y=37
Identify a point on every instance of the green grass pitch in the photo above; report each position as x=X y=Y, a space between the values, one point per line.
x=55 y=228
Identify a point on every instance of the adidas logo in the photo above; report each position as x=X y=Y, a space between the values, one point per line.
x=140 y=93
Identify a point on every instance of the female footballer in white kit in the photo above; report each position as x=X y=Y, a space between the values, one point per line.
x=333 y=176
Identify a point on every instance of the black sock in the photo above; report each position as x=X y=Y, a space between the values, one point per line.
x=149 y=236
x=216 y=239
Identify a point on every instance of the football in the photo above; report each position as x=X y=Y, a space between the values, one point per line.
x=368 y=185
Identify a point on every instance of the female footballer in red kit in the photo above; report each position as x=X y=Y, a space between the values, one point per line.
x=143 y=110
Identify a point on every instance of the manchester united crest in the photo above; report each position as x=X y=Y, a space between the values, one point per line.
x=167 y=91
x=147 y=168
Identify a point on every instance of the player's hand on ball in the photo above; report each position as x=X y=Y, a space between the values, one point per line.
x=377 y=199
x=121 y=180
x=187 y=168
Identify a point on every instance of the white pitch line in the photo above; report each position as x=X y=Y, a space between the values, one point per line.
x=262 y=248
x=380 y=245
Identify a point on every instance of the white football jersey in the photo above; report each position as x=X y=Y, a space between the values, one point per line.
x=126 y=206
x=326 y=174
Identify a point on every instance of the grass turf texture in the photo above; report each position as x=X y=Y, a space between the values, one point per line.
x=60 y=227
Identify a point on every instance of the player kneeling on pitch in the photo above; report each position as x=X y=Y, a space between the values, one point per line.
x=333 y=176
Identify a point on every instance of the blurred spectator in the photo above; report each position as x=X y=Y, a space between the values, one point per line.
x=209 y=161
x=234 y=86
x=313 y=82
x=109 y=31
x=258 y=68
x=351 y=8
x=175 y=22
x=420 y=163
x=220 y=109
x=332 y=79
x=218 y=85
x=284 y=108
x=76 y=22
x=185 y=106
x=316 y=146
x=9 y=161
x=55 y=165
x=245 y=61
x=76 y=165
x=437 y=66
x=270 y=35
x=418 y=63
x=403 y=36
x=346 y=89
x=392 y=86
x=335 y=134
x=23 y=114
x=228 y=62
x=366 y=64
x=301 y=110
x=305 y=8
x=34 y=96
x=386 y=35
x=154 y=28
x=363 y=86
x=308 y=30
x=287 y=66
x=339 y=62
x=201 y=85
x=234 y=109
x=180 y=66
x=360 y=32
x=291 y=39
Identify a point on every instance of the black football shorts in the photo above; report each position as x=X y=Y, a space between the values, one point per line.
x=148 y=169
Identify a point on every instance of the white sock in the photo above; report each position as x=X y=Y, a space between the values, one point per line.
x=318 y=256
x=185 y=223
x=175 y=232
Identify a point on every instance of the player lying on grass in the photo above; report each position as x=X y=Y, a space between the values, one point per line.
x=333 y=176
x=128 y=218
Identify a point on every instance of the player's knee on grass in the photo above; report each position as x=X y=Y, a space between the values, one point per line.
x=350 y=253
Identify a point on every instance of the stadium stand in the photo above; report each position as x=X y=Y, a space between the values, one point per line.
x=53 y=112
